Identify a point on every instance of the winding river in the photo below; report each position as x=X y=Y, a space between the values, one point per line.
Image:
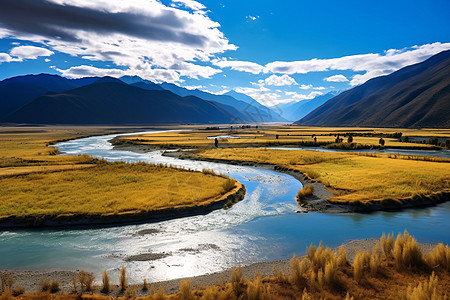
x=262 y=227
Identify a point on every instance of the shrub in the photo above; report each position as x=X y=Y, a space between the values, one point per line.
x=424 y=291
x=106 y=285
x=160 y=294
x=123 y=280
x=306 y=296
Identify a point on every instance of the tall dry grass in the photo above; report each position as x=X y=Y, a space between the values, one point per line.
x=387 y=243
x=425 y=290
x=106 y=284
x=123 y=279
x=406 y=252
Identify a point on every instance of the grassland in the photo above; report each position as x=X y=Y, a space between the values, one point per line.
x=36 y=182
x=292 y=136
x=353 y=176
x=395 y=268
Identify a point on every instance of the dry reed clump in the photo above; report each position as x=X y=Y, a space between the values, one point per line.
x=298 y=270
x=186 y=291
x=375 y=260
x=306 y=296
x=307 y=190
x=160 y=294
x=130 y=293
x=426 y=290
x=407 y=253
x=439 y=257
x=324 y=263
x=237 y=281
x=145 y=286
x=123 y=280
x=361 y=260
x=106 y=284
x=6 y=282
x=86 y=280
x=50 y=286
x=342 y=257
x=256 y=290
x=387 y=243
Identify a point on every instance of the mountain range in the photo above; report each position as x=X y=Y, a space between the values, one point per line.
x=52 y=99
x=413 y=97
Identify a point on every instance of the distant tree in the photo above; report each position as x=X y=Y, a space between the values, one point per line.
x=433 y=141
x=277 y=136
x=447 y=144
x=315 y=139
x=216 y=142
x=350 y=139
x=381 y=141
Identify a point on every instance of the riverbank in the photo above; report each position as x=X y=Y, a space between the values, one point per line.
x=31 y=280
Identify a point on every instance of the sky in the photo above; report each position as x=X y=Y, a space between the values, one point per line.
x=273 y=51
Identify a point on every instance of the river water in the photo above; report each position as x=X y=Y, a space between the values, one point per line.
x=262 y=227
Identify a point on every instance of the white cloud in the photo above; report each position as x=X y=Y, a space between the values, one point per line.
x=372 y=64
x=242 y=66
x=336 y=78
x=47 y=60
x=253 y=18
x=29 y=52
x=140 y=35
x=298 y=97
x=193 y=87
x=194 y=5
x=262 y=94
x=4 y=57
x=162 y=75
x=305 y=87
x=278 y=80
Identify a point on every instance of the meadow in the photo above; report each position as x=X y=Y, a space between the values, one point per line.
x=37 y=181
x=353 y=176
x=277 y=135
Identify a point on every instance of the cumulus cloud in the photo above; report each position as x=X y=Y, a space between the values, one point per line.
x=242 y=66
x=4 y=57
x=29 y=52
x=253 y=18
x=372 y=64
x=278 y=80
x=22 y=53
x=336 y=78
x=138 y=35
x=161 y=75
x=262 y=94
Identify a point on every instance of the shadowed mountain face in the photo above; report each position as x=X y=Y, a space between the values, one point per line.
x=415 y=96
x=17 y=91
x=110 y=101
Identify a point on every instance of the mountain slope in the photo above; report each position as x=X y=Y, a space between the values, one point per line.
x=109 y=102
x=17 y=91
x=251 y=112
x=414 y=96
x=293 y=111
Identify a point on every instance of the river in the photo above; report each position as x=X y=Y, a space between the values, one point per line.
x=262 y=227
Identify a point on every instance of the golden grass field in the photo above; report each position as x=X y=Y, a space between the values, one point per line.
x=34 y=180
x=353 y=176
x=287 y=135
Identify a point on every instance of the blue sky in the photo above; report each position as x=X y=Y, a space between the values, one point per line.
x=274 y=51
